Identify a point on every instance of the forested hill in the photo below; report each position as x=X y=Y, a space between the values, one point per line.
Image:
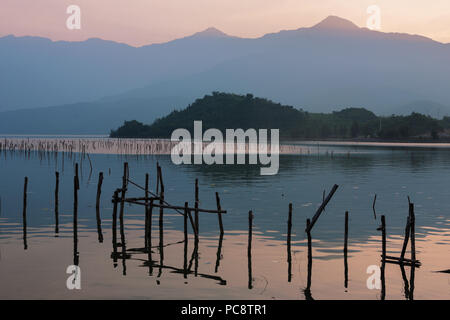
x=232 y=111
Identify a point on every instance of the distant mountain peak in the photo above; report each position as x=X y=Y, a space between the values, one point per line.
x=211 y=32
x=335 y=23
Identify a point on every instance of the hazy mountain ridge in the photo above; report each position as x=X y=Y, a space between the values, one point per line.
x=332 y=65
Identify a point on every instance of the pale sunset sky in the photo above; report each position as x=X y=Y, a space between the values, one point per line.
x=140 y=22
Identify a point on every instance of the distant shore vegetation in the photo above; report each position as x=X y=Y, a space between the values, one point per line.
x=231 y=111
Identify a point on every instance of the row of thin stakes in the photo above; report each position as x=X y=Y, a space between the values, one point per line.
x=152 y=200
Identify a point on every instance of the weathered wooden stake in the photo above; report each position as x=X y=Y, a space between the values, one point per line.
x=97 y=207
x=196 y=210
x=346 y=250
x=124 y=188
x=373 y=206
x=407 y=234
x=289 y=254
x=308 y=234
x=146 y=213
x=383 y=261
x=24 y=213
x=219 y=214
x=249 y=249
x=413 y=232
x=185 y=220
x=57 y=203
x=114 y=226
x=161 y=215
x=76 y=187
x=322 y=206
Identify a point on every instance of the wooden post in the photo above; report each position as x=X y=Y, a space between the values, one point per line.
x=383 y=261
x=161 y=215
x=249 y=249
x=57 y=203
x=185 y=220
x=219 y=214
x=123 y=244
x=124 y=188
x=346 y=250
x=76 y=186
x=24 y=213
x=289 y=254
x=322 y=206
x=308 y=234
x=196 y=210
x=97 y=207
x=114 y=226
x=373 y=206
x=413 y=233
x=407 y=232
x=146 y=213
x=219 y=253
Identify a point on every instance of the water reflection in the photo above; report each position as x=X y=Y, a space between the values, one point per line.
x=391 y=175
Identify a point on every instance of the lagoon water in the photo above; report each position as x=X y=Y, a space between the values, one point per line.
x=391 y=172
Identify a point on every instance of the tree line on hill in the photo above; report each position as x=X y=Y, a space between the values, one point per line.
x=232 y=111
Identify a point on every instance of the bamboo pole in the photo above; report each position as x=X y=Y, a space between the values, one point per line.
x=346 y=251
x=407 y=235
x=97 y=207
x=249 y=249
x=146 y=213
x=76 y=186
x=321 y=208
x=114 y=226
x=196 y=210
x=289 y=254
x=185 y=220
x=219 y=215
x=383 y=261
x=57 y=203
x=124 y=188
x=24 y=213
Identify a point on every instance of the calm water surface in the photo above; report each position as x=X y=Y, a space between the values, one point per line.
x=222 y=271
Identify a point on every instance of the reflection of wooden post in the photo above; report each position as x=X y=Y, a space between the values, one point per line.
x=24 y=213
x=97 y=207
x=289 y=255
x=249 y=249
x=219 y=214
x=57 y=203
x=346 y=250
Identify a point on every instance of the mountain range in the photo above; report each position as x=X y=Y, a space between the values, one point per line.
x=92 y=86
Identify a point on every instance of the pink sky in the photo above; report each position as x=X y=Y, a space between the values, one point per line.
x=139 y=22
